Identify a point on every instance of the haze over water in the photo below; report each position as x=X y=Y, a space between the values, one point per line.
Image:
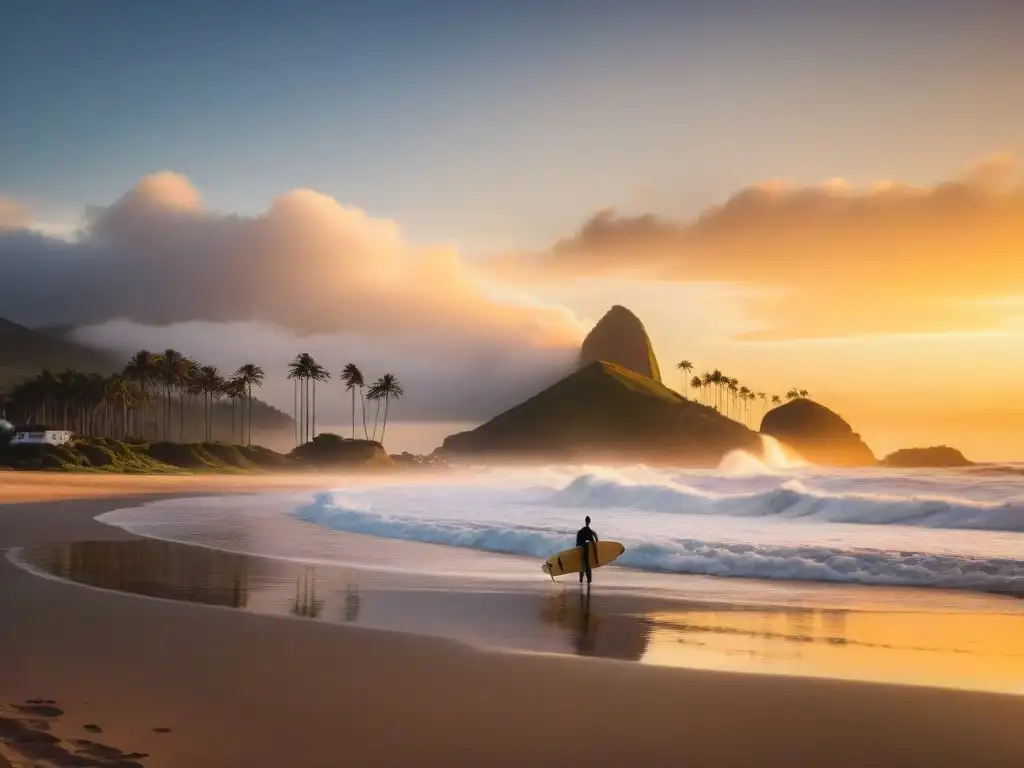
x=951 y=529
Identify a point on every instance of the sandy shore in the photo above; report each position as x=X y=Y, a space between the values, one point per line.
x=229 y=688
x=21 y=487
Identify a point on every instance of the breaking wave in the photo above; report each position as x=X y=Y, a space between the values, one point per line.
x=793 y=500
x=651 y=543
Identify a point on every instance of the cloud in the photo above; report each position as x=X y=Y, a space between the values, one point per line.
x=827 y=260
x=446 y=378
x=13 y=214
x=157 y=268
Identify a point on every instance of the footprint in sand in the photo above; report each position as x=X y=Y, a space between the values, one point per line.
x=161 y=729
x=92 y=728
x=39 y=710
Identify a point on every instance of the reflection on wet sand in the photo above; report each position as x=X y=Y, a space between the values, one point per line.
x=152 y=568
x=980 y=651
x=195 y=574
x=306 y=604
x=968 y=650
x=609 y=635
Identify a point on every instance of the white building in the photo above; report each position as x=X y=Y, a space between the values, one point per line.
x=41 y=437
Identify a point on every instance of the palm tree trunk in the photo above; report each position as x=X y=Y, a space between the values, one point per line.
x=353 y=413
x=313 y=433
x=385 y=425
x=362 y=401
x=376 y=418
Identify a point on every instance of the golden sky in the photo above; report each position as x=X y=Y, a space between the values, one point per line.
x=900 y=307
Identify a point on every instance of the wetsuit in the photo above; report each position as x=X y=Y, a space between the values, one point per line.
x=583 y=536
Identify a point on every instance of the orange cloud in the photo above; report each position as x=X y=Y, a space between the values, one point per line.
x=158 y=256
x=828 y=260
x=158 y=268
x=13 y=215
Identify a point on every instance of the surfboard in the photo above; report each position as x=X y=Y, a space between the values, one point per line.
x=571 y=560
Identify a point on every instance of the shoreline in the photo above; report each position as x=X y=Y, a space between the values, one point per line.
x=237 y=688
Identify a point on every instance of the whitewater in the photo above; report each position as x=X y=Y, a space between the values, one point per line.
x=771 y=519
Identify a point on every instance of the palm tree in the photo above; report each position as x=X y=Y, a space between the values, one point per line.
x=793 y=394
x=803 y=393
x=142 y=370
x=717 y=379
x=194 y=389
x=695 y=382
x=173 y=370
x=299 y=371
x=234 y=390
x=744 y=400
x=385 y=388
x=353 y=379
x=776 y=400
x=212 y=387
x=316 y=373
x=685 y=366
x=250 y=375
x=119 y=392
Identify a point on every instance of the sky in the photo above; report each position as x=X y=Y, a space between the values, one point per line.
x=814 y=194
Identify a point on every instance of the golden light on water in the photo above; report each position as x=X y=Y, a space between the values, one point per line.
x=983 y=651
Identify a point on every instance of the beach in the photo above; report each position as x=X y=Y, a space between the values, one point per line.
x=194 y=685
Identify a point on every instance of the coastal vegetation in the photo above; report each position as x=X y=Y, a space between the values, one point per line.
x=306 y=372
x=169 y=397
x=726 y=395
x=164 y=397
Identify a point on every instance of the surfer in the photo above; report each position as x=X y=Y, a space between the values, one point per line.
x=584 y=536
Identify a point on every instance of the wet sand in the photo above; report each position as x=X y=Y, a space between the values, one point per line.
x=26 y=487
x=238 y=688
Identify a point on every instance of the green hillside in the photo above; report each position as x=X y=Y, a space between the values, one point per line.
x=326 y=452
x=604 y=411
x=24 y=352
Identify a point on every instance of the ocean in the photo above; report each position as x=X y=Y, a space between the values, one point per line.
x=769 y=520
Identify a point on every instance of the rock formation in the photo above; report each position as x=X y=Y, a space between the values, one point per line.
x=330 y=450
x=817 y=434
x=604 y=412
x=935 y=456
x=620 y=338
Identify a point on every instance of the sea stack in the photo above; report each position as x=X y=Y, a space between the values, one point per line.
x=819 y=435
x=620 y=338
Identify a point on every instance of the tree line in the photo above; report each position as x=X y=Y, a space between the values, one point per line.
x=727 y=396
x=166 y=396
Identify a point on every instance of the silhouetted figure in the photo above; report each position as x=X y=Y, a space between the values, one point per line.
x=584 y=536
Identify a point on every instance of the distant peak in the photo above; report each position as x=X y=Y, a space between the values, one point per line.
x=620 y=337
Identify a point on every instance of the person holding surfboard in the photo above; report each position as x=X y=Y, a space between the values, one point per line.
x=584 y=536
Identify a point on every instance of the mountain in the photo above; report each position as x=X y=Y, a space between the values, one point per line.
x=620 y=338
x=606 y=412
x=24 y=352
x=817 y=434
